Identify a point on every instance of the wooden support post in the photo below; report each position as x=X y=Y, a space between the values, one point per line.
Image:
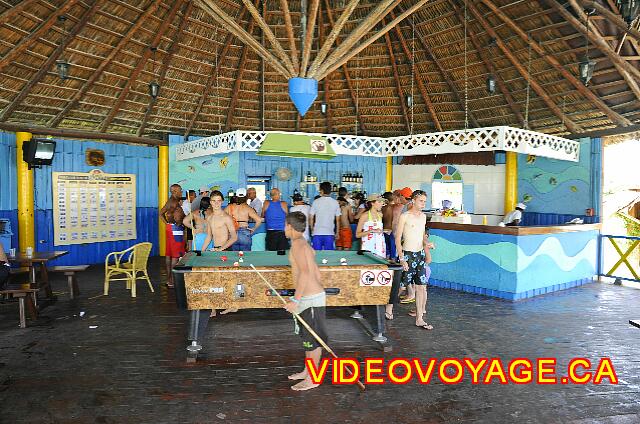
x=26 y=232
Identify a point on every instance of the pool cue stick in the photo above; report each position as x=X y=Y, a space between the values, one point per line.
x=304 y=323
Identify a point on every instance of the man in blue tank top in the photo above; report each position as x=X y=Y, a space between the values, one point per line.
x=274 y=212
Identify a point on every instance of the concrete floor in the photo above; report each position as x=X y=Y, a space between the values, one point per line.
x=132 y=369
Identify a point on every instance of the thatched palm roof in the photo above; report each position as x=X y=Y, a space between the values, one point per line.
x=210 y=81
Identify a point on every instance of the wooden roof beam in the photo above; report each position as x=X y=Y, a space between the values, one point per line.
x=491 y=69
x=8 y=14
x=394 y=67
x=80 y=134
x=212 y=77
x=326 y=86
x=284 y=4
x=133 y=77
x=419 y=80
x=578 y=85
x=270 y=36
x=98 y=72
x=572 y=126
x=626 y=70
x=372 y=19
x=308 y=38
x=333 y=35
x=445 y=76
x=236 y=86
x=44 y=69
x=19 y=48
x=165 y=64
x=330 y=67
x=232 y=26
x=347 y=76
x=614 y=18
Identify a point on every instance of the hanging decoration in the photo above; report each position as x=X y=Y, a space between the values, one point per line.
x=154 y=87
x=61 y=64
x=491 y=80
x=587 y=66
x=628 y=9
x=303 y=92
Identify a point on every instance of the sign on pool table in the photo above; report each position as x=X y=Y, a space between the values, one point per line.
x=219 y=280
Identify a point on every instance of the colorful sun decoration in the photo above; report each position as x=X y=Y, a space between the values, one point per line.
x=447 y=173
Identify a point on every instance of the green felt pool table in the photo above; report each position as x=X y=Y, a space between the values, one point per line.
x=220 y=280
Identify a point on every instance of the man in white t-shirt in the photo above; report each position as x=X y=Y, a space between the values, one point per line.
x=300 y=206
x=254 y=202
x=324 y=219
x=514 y=217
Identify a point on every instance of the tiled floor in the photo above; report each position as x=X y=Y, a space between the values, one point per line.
x=131 y=368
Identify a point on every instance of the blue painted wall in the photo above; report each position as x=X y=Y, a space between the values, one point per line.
x=552 y=187
x=119 y=159
x=230 y=171
x=8 y=183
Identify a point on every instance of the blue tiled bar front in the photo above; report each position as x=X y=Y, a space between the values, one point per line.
x=513 y=262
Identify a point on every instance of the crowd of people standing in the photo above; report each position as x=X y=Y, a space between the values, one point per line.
x=391 y=225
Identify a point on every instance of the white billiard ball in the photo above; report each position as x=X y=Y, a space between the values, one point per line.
x=343 y=263
x=240 y=260
x=324 y=261
x=343 y=259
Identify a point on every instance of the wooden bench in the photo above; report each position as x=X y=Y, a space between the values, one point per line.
x=70 y=272
x=21 y=294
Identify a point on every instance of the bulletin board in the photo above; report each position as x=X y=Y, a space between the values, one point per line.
x=93 y=207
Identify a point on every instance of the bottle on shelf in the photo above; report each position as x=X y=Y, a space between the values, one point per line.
x=307 y=178
x=334 y=188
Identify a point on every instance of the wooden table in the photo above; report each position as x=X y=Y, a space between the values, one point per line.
x=40 y=259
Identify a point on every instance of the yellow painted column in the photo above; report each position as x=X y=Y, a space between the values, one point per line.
x=26 y=232
x=511 y=182
x=163 y=193
x=389 y=173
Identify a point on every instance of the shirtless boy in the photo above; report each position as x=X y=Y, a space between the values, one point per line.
x=309 y=300
x=413 y=251
x=173 y=250
x=220 y=226
x=345 y=235
x=221 y=230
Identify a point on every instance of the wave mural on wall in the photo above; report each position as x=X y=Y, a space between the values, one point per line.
x=510 y=257
x=513 y=264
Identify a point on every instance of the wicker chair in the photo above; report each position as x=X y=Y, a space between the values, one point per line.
x=132 y=263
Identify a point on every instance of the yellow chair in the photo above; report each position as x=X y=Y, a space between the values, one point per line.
x=129 y=262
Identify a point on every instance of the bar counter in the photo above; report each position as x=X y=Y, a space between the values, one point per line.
x=513 y=263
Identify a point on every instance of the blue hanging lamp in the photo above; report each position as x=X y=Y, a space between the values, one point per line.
x=303 y=92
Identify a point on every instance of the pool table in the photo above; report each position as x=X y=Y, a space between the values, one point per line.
x=219 y=280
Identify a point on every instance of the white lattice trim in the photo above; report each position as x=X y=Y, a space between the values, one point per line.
x=459 y=141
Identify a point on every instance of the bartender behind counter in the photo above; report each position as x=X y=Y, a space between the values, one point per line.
x=514 y=217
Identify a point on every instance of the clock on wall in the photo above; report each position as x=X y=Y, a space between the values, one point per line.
x=283 y=174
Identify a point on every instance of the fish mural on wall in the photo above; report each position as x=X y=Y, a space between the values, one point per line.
x=556 y=186
x=223 y=162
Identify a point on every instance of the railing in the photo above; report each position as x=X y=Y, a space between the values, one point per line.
x=624 y=257
x=460 y=141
